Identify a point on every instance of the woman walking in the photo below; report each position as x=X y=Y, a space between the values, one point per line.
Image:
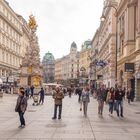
x=21 y=106
x=85 y=100
x=110 y=100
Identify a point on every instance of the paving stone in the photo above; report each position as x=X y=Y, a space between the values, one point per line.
x=72 y=126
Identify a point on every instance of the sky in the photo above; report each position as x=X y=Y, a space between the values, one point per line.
x=60 y=22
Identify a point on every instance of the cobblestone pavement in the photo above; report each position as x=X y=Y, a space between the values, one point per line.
x=72 y=126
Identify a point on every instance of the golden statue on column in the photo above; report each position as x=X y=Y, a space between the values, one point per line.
x=31 y=69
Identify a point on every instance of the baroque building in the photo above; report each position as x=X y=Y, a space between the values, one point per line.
x=58 y=70
x=105 y=69
x=10 y=43
x=128 y=15
x=94 y=54
x=48 y=63
x=69 y=67
x=84 y=62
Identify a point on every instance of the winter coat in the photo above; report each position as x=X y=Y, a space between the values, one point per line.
x=42 y=93
x=21 y=104
x=85 y=96
x=58 y=96
x=130 y=94
x=101 y=94
x=119 y=94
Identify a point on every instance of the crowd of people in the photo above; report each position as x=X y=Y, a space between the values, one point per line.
x=112 y=96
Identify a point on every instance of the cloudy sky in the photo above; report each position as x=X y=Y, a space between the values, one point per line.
x=60 y=22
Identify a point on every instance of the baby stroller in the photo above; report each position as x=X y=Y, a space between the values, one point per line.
x=36 y=99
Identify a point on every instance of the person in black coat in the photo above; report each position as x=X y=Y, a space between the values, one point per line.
x=119 y=95
x=42 y=94
x=130 y=95
x=78 y=92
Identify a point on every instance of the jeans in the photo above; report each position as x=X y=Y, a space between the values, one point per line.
x=79 y=99
x=111 y=104
x=85 y=105
x=41 y=99
x=55 y=111
x=119 y=107
x=100 y=107
x=21 y=117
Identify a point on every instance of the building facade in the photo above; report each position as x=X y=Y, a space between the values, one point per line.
x=58 y=70
x=48 y=63
x=129 y=45
x=106 y=47
x=84 y=62
x=70 y=67
x=94 y=54
x=10 y=42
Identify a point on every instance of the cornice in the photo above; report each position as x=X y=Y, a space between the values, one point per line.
x=106 y=41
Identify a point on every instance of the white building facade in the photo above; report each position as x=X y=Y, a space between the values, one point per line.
x=10 y=42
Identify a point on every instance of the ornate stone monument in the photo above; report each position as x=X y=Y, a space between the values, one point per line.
x=31 y=69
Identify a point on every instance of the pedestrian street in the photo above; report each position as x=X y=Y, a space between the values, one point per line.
x=72 y=126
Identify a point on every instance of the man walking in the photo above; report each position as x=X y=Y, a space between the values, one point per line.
x=42 y=94
x=119 y=95
x=21 y=106
x=101 y=97
x=57 y=96
x=79 y=92
x=32 y=91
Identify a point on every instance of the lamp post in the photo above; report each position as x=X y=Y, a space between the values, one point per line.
x=102 y=19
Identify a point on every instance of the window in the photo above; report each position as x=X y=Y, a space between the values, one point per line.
x=3 y=56
x=122 y=23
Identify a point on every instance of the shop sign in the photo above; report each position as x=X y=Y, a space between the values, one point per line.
x=129 y=67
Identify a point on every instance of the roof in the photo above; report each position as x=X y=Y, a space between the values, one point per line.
x=48 y=57
x=73 y=45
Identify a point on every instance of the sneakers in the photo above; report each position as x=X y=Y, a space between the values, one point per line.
x=59 y=118
x=53 y=118
x=21 y=126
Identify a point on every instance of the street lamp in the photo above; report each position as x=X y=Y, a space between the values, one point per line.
x=102 y=19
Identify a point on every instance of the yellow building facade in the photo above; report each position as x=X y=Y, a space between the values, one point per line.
x=84 y=60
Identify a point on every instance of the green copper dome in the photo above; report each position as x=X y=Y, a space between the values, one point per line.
x=48 y=57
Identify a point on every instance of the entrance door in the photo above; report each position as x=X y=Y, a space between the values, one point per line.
x=133 y=84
